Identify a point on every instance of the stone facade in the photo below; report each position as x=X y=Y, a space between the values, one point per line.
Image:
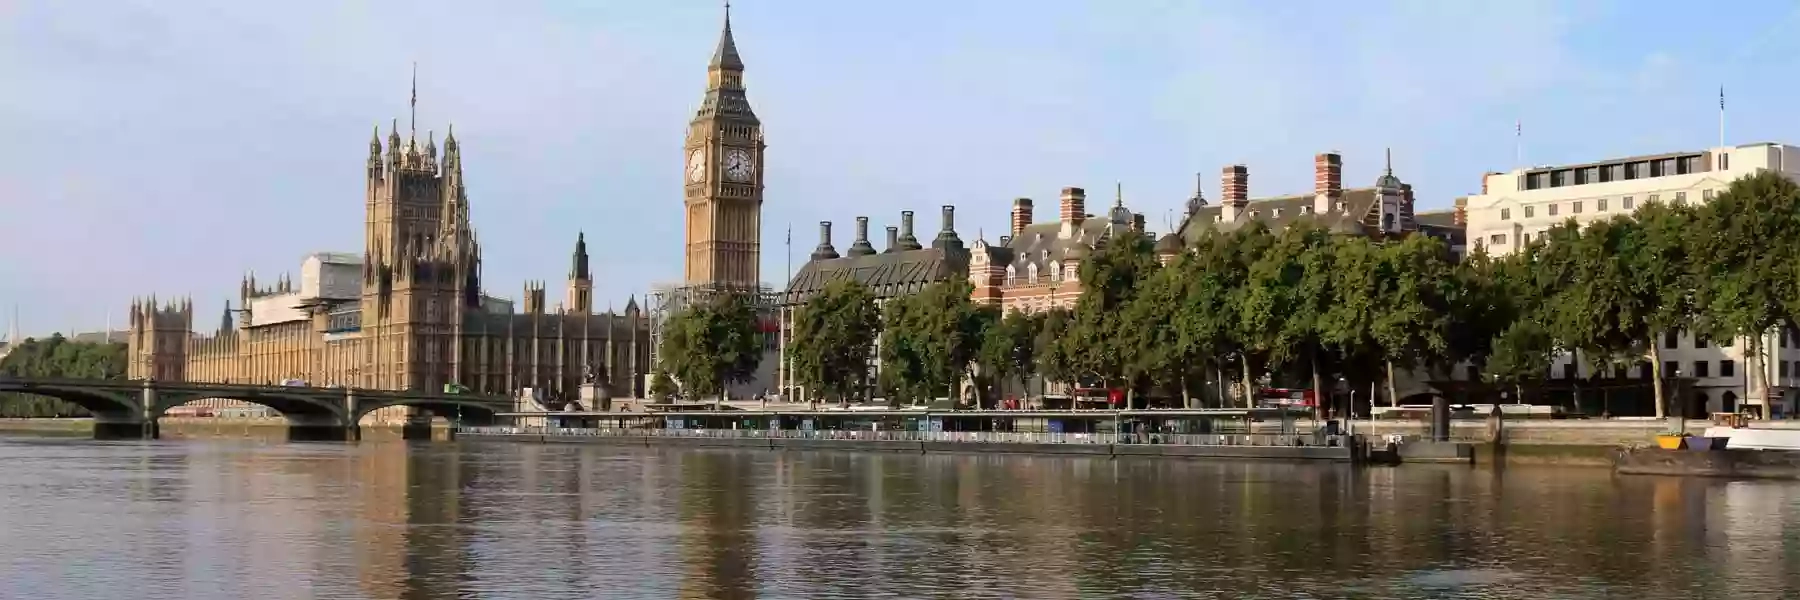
x=723 y=179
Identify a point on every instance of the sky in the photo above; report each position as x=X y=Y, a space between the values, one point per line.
x=155 y=147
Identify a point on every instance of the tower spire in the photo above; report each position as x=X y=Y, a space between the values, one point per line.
x=726 y=56
x=412 y=116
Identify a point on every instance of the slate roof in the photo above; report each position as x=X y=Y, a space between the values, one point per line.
x=1041 y=244
x=1442 y=224
x=1360 y=216
x=887 y=274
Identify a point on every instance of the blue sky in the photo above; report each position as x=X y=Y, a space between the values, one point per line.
x=168 y=147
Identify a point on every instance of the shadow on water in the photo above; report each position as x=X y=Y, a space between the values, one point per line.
x=426 y=520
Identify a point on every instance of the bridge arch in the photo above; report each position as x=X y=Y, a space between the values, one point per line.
x=294 y=406
x=470 y=409
x=101 y=403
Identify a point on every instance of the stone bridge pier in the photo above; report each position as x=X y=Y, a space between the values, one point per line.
x=133 y=421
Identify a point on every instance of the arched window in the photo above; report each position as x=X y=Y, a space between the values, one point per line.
x=1012 y=275
x=1031 y=272
x=1055 y=271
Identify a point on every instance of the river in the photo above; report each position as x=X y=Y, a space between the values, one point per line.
x=222 y=519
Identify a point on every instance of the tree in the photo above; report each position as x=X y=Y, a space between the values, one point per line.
x=1661 y=276
x=661 y=387
x=1151 y=327
x=930 y=339
x=1286 y=296
x=1009 y=347
x=1208 y=322
x=57 y=357
x=1051 y=348
x=712 y=344
x=1109 y=279
x=834 y=338
x=1521 y=354
x=1744 y=248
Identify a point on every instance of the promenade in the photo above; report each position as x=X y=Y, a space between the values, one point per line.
x=1309 y=446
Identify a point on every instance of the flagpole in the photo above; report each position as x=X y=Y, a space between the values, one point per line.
x=1721 y=116
x=1519 y=143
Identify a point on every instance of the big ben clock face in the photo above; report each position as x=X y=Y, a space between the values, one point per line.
x=696 y=166
x=738 y=166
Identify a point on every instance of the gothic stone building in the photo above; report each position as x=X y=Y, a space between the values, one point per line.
x=408 y=314
x=904 y=267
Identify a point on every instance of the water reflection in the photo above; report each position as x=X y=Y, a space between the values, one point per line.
x=397 y=520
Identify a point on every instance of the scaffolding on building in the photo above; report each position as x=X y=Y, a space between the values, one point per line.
x=666 y=300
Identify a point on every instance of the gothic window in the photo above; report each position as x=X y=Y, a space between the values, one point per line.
x=1012 y=274
x=1055 y=271
x=1031 y=272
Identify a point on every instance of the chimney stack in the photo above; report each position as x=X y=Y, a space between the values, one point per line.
x=893 y=244
x=1461 y=218
x=946 y=237
x=1328 y=181
x=1006 y=240
x=1328 y=174
x=1021 y=215
x=1235 y=181
x=861 y=246
x=824 y=251
x=1074 y=205
x=907 y=240
x=1137 y=222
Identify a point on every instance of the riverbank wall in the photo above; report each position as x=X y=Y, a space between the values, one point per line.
x=1246 y=452
x=175 y=428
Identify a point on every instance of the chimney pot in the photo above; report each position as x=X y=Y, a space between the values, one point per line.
x=949 y=218
x=1021 y=215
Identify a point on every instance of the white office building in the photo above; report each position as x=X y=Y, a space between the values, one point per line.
x=1515 y=207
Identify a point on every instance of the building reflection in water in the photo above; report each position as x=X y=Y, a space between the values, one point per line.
x=395 y=520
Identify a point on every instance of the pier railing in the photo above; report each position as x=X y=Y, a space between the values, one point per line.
x=966 y=437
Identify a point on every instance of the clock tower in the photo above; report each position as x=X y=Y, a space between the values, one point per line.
x=723 y=177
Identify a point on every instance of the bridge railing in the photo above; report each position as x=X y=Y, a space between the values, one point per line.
x=965 y=437
x=247 y=387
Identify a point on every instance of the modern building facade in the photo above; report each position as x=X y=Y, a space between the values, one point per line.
x=1517 y=206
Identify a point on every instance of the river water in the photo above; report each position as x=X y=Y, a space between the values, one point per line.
x=218 y=519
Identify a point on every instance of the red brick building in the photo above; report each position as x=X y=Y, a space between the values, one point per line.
x=1037 y=266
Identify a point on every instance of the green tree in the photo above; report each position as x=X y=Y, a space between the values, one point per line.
x=1286 y=296
x=1661 y=274
x=57 y=357
x=1416 y=286
x=662 y=388
x=1109 y=279
x=1051 y=349
x=712 y=344
x=1744 y=248
x=1009 y=347
x=1521 y=355
x=833 y=339
x=930 y=339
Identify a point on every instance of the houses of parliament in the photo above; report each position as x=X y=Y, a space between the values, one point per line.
x=411 y=311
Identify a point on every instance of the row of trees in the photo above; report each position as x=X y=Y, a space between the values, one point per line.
x=57 y=357
x=1306 y=305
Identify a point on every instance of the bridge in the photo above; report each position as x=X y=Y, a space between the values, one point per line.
x=129 y=409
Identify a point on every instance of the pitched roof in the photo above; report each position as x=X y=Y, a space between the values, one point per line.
x=1040 y=244
x=1359 y=216
x=887 y=274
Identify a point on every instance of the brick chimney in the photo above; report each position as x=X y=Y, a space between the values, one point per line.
x=1074 y=205
x=1021 y=215
x=1328 y=181
x=1235 y=181
x=1461 y=218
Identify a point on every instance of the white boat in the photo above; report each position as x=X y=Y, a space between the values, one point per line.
x=1757 y=439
